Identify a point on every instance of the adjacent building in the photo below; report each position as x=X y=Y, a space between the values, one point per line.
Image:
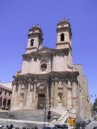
x=5 y=95
x=48 y=75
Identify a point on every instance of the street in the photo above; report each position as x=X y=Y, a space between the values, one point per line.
x=91 y=125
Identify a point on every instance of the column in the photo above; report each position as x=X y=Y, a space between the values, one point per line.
x=78 y=110
x=52 y=94
x=74 y=94
x=25 y=94
x=19 y=89
x=2 y=98
x=29 y=97
x=34 y=96
x=6 y=96
x=13 y=96
x=69 y=96
x=56 y=93
x=13 y=88
x=47 y=95
x=64 y=100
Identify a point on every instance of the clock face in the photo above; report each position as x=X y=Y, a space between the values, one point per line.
x=43 y=66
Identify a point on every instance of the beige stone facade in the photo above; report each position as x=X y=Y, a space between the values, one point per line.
x=49 y=75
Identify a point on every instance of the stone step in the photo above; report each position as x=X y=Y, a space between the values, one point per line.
x=34 y=115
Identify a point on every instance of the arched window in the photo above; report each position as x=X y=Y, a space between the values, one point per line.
x=62 y=37
x=32 y=42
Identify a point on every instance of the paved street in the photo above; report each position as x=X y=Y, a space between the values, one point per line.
x=91 y=125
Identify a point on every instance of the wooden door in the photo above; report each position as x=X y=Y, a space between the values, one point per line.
x=41 y=98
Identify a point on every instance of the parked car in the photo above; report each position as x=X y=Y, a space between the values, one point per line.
x=63 y=126
x=49 y=127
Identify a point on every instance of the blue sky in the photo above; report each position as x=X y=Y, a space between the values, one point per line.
x=18 y=16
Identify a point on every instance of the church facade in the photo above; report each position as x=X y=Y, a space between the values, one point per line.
x=48 y=75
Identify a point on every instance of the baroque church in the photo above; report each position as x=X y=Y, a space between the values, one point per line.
x=48 y=75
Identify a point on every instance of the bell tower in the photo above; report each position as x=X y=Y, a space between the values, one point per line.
x=64 y=34
x=35 y=38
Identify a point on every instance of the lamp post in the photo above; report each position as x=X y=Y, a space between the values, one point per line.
x=45 y=103
x=49 y=109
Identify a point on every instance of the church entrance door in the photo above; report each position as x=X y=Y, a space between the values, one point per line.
x=41 y=99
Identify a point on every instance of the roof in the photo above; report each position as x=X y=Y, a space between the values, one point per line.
x=6 y=86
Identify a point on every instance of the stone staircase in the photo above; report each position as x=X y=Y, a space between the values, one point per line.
x=31 y=115
x=25 y=118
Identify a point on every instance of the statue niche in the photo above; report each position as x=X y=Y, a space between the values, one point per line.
x=59 y=99
x=21 y=97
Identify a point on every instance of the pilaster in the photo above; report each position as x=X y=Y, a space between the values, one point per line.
x=25 y=94
x=64 y=100
x=47 y=96
x=19 y=89
x=13 y=96
x=52 y=94
x=69 y=96
x=29 y=97
x=34 y=96
x=74 y=94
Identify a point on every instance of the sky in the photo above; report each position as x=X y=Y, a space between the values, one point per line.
x=18 y=16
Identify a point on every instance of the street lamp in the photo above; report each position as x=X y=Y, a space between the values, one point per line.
x=49 y=112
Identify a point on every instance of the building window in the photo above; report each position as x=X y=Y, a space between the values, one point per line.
x=32 y=42
x=62 y=37
x=43 y=67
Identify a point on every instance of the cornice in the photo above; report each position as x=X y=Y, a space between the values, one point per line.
x=52 y=76
x=53 y=52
